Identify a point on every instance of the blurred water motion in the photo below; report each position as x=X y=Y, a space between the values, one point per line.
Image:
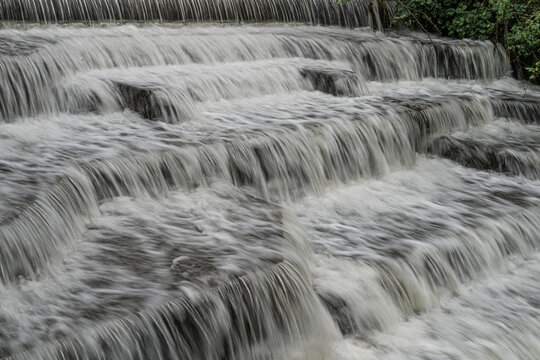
x=263 y=191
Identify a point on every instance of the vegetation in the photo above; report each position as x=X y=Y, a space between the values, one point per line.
x=514 y=23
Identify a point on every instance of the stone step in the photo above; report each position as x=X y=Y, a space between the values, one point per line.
x=301 y=145
x=443 y=226
x=173 y=94
x=523 y=104
x=503 y=146
x=31 y=84
x=139 y=254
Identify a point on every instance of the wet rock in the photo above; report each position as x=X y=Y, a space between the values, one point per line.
x=515 y=105
x=142 y=100
x=503 y=157
x=337 y=82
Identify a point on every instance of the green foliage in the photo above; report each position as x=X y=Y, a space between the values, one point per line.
x=514 y=23
x=524 y=42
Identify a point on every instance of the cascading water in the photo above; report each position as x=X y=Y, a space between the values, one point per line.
x=355 y=13
x=262 y=191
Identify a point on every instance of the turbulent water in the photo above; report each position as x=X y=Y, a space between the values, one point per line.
x=262 y=191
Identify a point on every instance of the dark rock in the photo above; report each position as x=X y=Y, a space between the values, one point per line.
x=337 y=82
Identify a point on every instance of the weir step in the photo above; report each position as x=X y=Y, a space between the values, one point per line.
x=375 y=252
x=242 y=319
x=265 y=154
x=176 y=99
x=32 y=83
x=293 y=116
x=204 y=257
x=355 y=13
x=502 y=146
x=523 y=105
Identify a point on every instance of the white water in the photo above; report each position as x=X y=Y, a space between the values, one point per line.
x=354 y=13
x=264 y=192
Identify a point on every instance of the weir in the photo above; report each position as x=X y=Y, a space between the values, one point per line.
x=354 y=14
x=178 y=188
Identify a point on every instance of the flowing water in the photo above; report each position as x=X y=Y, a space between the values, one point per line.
x=263 y=190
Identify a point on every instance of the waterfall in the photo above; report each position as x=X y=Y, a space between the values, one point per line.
x=261 y=180
x=355 y=13
x=85 y=56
